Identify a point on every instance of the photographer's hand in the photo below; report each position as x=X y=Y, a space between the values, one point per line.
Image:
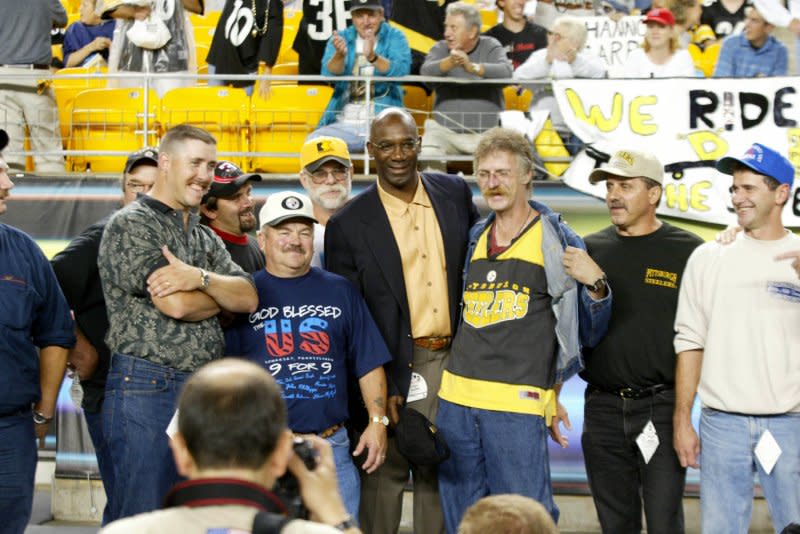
x=319 y=488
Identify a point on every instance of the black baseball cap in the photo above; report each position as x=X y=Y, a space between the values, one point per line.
x=365 y=4
x=145 y=156
x=228 y=179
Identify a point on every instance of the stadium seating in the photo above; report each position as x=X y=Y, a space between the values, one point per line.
x=67 y=88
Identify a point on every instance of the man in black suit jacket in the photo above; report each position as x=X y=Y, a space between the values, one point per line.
x=403 y=246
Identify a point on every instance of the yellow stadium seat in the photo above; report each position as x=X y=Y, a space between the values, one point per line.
x=209 y=18
x=280 y=124
x=549 y=145
x=220 y=110
x=203 y=35
x=110 y=119
x=488 y=18
x=202 y=54
x=286 y=54
x=418 y=103
x=516 y=100
x=67 y=88
x=57 y=51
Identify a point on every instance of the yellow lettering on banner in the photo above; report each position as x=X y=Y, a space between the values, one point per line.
x=682 y=197
x=595 y=116
x=708 y=145
x=640 y=121
x=483 y=308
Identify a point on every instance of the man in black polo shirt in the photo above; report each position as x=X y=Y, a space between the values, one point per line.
x=627 y=436
x=165 y=278
x=228 y=209
x=520 y=36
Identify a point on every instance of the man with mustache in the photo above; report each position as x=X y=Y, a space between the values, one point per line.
x=737 y=343
x=312 y=331
x=165 y=278
x=627 y=433
x=228 y=209
x=326 y=174
x=532 y=298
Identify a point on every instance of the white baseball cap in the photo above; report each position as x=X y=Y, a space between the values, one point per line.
x=286 y=205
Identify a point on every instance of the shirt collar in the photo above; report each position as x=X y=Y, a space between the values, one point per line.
x=393 y=203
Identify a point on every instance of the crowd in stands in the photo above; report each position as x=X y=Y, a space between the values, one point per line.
x=537 y=41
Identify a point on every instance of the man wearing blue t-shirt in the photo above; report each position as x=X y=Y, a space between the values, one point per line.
x=310 y=331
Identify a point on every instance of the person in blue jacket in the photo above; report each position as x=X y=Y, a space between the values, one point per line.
x=370 y=47
x=36 y=331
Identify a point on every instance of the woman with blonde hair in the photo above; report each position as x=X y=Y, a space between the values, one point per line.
x=660 y=55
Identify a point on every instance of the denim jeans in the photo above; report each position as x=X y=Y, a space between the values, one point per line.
x=355 y=137
x=490 y=453
x=618 y=476
x=140 y=400
x=18 y=455
x=727 y=465
x=94 y=422
x=346 y=471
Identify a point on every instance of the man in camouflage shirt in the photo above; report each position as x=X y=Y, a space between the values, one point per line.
x=165 y=277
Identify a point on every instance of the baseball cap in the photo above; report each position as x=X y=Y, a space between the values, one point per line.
x=318 y=150
x=661 y=15
x=630 y=164
x=228 y=179
x=146 y=155
x=285 y=205
x=762 y=160
x=365 y=4
x=703 y=33
x=3 y=139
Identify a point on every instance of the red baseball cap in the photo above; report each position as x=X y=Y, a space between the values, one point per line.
x=661 y=15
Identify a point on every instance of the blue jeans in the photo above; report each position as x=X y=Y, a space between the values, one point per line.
x=491 y=453
x=354 y=136
x=17 y=470
x=618 y=477
x=140 y=400
x=727 y=465
x=94 y=422
x=346 y=471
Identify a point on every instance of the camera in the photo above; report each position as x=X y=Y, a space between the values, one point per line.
x=287 y=488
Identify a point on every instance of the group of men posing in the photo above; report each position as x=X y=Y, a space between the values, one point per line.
x=475 y=324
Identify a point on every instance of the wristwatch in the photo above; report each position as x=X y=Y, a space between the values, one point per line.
x=204 y=280
x=380 y=419
x=599 y=285
x=476 y=68
x=40 y=419
x=348 y=523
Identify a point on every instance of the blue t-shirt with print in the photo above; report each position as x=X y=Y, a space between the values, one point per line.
x=309 y=332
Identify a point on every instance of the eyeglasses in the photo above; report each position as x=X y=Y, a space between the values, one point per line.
x=406 y=146
x=137 y=187
x=500 y=174
x=320 y=176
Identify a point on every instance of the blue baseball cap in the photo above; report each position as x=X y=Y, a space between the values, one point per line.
x=762 y=160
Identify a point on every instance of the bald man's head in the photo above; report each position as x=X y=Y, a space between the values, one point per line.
x=231 y=415
x=391 y=115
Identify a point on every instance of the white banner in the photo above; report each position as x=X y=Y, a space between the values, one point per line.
x=613 y=41
x=688 y=124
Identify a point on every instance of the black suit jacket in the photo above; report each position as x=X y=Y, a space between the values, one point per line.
x=360 y=245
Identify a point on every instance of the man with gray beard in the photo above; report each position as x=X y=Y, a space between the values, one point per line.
x=326 y=174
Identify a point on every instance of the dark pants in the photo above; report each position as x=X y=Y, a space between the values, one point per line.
x=618 y=477
x=94 y=422
x=17 y=471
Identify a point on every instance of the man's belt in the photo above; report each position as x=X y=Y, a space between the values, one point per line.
x=28 y=66
x=433 y=342
x=328 y=432
x=634 y=393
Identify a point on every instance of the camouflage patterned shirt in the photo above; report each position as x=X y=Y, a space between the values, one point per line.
x=129 y=252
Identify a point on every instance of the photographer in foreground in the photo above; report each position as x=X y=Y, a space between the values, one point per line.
x=232 y=444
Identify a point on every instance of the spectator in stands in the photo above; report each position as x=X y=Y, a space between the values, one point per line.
x=228 y=209
x=370 y=47
x=233 y=445
x=176 y=56
x=659 y=56
x=335 y=329
x=326 y=174
x=779 y=16
x=424 y=17
x=26 y=101
x=87 y=40
x=725 y=17
x=77 y=273
x=520 y=36
x=36 y=331
x=547 y=11
x=507 y=514
x=165 y=277
x=564 y=57
x=687 y=18
x=246 y=38
x=319 y=21
x=754 y=52
x=461 y=112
